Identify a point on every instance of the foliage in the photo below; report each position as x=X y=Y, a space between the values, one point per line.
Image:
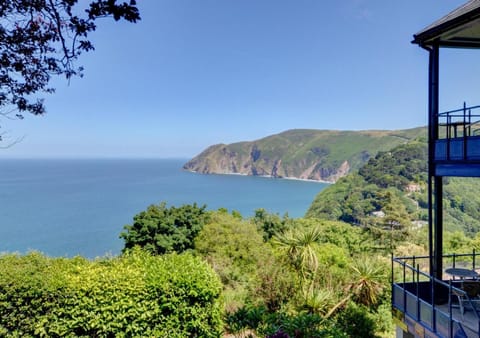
x=356 y=321
x=457 y=242
x=350 y=200
x=353 y=239
x=353 y=198
x=40 y=39
x=461 y=201
x=303 y=282
x=388 y=197
x=384 y=323
x=398 y=167
x=161 y=230
x=298 y=287
x=318 y=301
x=300 y=247
x=293 y=153
x=133 y=295
x=369 y=278
x=280 y=324
x=30 y=288
x=234 y=248
x=270 y=224
x=277 y=284
x=336 y=264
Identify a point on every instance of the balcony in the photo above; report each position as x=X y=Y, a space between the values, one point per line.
x=413 y=290
x=458 y=135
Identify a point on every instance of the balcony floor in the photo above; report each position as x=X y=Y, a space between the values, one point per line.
x=420 y=310
x=469 y=321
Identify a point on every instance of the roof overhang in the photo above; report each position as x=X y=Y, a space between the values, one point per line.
x=458 y=29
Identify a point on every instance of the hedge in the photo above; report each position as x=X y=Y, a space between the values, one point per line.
x=135 y=294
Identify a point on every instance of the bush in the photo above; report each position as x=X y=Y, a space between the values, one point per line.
x=31 y=288
x=281 y=325
x=356 y=321
x=161 y=230
x=133 y=295
x=234 y=248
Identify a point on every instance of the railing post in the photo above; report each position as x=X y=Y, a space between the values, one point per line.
x=418 y=292
x=473 y=259
x=391 y=283
x=434 y=315
x=450 y=319
x=449 y=134
x=465 y=130
x=469 y=121
x=413 y=264
x=404 y=291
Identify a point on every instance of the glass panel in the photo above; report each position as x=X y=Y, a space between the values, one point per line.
x=473 y=148
x=426 y=312
x=441 y=150
x=411 y=305
x=442 y=320
x=456 y=149
x=458 y=330
x=398 y=297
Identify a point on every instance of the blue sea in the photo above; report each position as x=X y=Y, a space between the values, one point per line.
x=79 y=207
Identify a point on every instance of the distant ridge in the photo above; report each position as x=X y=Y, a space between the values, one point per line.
x=320 y=155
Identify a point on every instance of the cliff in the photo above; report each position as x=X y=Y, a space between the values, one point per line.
x=322 y=155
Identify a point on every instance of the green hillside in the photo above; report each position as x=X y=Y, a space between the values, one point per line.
x=301 y=153
x=389 y=192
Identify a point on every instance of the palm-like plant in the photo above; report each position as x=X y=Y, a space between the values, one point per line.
x=366 y=286
x=318 y=301
x=368 y=281
x=300 y=246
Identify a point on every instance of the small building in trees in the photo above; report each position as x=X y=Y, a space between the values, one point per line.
x=439 y=295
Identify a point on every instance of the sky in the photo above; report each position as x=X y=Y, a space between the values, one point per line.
x=193 y=73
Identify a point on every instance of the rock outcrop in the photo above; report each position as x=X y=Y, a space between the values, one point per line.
x=319 y=155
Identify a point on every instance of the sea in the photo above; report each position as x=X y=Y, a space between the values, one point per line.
x=69 y=207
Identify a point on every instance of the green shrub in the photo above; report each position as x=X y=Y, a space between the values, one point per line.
x=31 y=287
x=161 y=230
x=128 y=296
x=234 y=248
x=357 y=321
x=281 y=325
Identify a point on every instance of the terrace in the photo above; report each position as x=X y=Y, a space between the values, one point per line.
x=413 y=290
x=459 y=135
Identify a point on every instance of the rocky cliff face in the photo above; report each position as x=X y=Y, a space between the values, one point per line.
x=219 y=159
x=303 y=154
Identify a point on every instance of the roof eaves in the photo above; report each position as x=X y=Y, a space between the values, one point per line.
x=456 y=18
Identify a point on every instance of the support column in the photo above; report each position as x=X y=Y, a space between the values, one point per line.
x=435 y=184
x=438 y=237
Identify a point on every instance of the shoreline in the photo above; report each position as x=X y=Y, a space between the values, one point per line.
x=265 y=176
x=305 y=180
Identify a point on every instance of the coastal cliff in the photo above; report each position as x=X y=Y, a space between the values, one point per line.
x=320 y=155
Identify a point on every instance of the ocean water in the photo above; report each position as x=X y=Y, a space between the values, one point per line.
x=79 y=207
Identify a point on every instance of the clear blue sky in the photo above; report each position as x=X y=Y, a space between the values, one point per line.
x=198 y=72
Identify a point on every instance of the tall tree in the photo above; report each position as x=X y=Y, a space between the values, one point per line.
x=43 y=38
x=161 y=230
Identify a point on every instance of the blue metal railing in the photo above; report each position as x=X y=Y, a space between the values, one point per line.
x=458 y=134
x=418 y=293
x=459 y=123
